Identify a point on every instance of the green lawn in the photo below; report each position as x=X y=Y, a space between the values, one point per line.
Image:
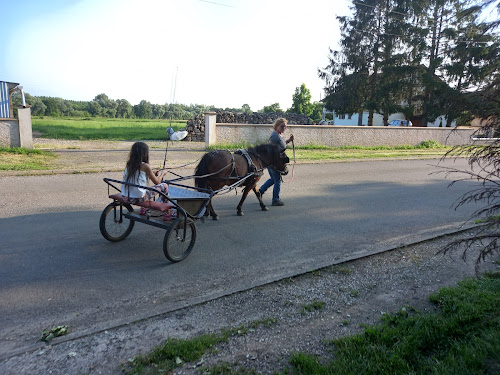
x=103 y=128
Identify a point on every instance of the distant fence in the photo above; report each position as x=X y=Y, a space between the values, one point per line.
x=337 y=136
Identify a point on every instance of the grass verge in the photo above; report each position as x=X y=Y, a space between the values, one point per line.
x=95 y=128
x=22 y=159
x=461 y=337
x=175 y=352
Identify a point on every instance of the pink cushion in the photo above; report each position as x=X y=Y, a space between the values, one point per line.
x=158 y=206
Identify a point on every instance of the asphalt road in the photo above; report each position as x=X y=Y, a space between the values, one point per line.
x=57 y=269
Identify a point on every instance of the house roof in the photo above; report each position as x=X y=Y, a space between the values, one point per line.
x=11 y=85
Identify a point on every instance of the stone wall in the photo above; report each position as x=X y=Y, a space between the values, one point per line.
x=338 y=136
x=196 y=125
x=9 y=133
x=17 y=132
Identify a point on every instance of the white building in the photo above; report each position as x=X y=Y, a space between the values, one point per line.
x=378 y=119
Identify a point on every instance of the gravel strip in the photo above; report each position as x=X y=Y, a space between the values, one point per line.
x=61 y=144
x=352 y=293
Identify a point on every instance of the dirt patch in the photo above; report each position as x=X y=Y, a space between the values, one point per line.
x=352 y=293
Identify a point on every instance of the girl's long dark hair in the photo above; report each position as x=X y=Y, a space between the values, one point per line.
x=139 y=153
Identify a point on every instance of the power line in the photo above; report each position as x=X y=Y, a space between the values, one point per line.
x=213 y=2
x=410 y=37
x=373 y=6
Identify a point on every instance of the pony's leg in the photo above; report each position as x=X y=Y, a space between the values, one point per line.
x=259 y=197
x=244 y=196
x=210 y=210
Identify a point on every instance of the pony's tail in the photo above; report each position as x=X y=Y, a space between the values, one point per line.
x=201 y=170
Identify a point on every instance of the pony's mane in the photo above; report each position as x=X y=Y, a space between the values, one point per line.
x=266 y=148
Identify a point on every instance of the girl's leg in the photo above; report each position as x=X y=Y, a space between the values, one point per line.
x=151 y=195
x=163 y=187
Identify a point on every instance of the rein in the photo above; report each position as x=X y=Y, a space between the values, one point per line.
x=169 y=169
x=294 y=161
x=214 y=173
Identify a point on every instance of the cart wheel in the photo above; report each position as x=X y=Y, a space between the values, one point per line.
x=173 y=247
x=113 y=227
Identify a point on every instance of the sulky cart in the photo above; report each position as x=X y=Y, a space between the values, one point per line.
x=119 y=217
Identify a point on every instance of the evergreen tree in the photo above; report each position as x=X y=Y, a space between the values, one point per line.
x=413 y=57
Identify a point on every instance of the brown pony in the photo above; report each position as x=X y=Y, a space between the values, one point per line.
x=219 y=168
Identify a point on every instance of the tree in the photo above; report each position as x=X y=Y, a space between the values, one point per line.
x=158 y=111
x=94 y=109
x=357 y=61
x=396 y=54
x=108 y=106
x=346 y=95
x=143 y=110
x=245 y=108
x=472 y=55
x=52 y=108
x=124 y=109
x=301 y=101
x=484 y=162
x=317 y=112
x=272 y=108
x=176 y=111
x=38 y=108
x=64 y=107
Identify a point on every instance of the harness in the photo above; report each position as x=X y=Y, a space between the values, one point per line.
x=251 y=166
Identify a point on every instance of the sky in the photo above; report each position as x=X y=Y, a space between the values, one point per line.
x=224 y=53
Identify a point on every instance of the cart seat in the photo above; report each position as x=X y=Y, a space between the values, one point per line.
x=154 y=205
x=175 y=192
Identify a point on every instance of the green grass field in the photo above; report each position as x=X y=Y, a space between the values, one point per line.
x=103 y=128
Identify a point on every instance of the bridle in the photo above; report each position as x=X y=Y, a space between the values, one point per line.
x=283 y=171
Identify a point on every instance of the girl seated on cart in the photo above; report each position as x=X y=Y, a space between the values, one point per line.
x=138 y=172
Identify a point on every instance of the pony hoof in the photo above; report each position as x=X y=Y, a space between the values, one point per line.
x=240 y=213
x=215 y=218
x=265 y=208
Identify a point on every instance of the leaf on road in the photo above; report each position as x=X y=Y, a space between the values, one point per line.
x=48 y=335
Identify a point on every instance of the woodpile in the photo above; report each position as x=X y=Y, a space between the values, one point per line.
x=196 y=125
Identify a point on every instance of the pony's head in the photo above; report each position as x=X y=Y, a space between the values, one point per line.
x=271 y=155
